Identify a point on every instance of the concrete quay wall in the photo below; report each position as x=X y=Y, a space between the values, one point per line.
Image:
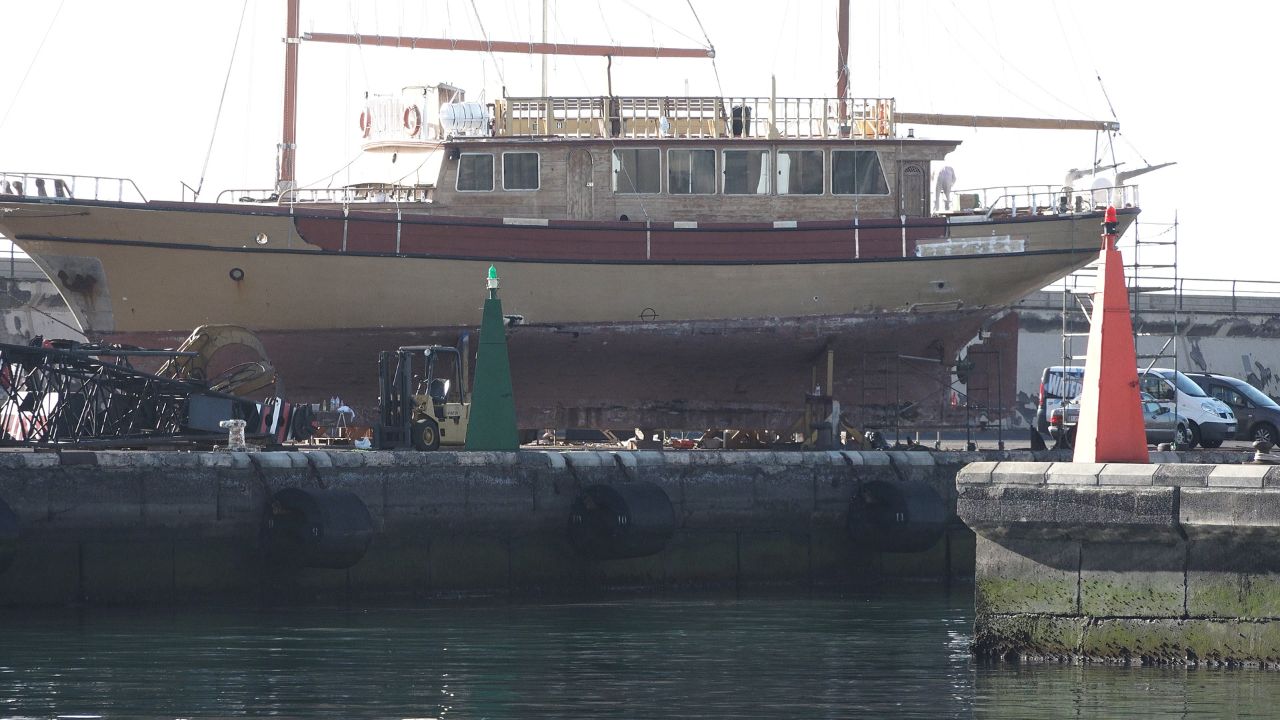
x=1157 y=564
x=130 y=527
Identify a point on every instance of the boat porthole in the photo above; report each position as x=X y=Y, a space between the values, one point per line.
x=261 y=239
x=236 y=274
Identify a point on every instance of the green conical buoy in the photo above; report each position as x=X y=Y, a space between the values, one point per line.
x=493 y=406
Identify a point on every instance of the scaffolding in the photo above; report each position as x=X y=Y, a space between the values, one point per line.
x=1151 y=271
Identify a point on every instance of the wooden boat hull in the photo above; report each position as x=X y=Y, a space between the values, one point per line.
x=664 y=326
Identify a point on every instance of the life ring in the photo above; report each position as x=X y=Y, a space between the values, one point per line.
x=413 y=120
x=366 y=123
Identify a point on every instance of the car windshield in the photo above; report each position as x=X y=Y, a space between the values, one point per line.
x=1184 y=383
x=1257 y=396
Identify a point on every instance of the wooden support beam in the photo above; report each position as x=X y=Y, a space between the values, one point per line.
x=505 y=46
x=995 y=121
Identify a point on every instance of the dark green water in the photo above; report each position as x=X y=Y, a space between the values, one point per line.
x=885 y=655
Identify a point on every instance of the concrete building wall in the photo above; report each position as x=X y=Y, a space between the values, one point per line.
x=1237 y=336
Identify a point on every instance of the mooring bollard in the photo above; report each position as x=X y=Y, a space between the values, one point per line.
x=235 y=435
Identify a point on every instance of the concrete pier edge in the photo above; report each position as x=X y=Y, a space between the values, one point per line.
x=1153 y=564
x=129 y=527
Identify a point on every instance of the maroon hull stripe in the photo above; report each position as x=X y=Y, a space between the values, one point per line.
x=808 y=242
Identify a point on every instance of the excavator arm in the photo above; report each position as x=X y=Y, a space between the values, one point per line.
x=243 y=379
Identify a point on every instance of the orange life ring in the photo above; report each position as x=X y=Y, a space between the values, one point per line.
x=413 y=120
x=366 y=123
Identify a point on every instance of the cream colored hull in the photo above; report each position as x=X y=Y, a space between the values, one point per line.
x=603 y=344
x=170 y=271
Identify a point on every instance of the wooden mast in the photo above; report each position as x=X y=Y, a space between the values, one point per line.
x=285 y=165
x=289 y=135
x=842 y=60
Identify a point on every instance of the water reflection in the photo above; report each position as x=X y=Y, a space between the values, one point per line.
x=899 y=655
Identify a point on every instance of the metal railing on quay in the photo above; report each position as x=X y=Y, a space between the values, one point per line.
x=82 y=187
x=1206 y=294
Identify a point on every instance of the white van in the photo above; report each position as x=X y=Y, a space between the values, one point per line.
x=1057 y=385
x=1209 y=419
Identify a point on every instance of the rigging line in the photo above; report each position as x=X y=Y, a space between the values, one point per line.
x=329 y=178
x=364 y=66
x=715 y=70
x=32 y=307
x=657 y=21
x=485 y=34
x=1012 y=66
x=430 y=154
x=31 y=64
x=231 y=63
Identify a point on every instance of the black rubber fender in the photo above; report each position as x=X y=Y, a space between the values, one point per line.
x=315 y=528
x=898 y=517
x=626 y=520
x=8 y=535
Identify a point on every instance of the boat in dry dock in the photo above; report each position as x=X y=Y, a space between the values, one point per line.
x=678 y=262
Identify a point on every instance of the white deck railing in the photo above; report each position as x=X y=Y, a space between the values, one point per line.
x=82 y=187
x=695 y=117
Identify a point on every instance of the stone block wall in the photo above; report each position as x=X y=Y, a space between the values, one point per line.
x=1156 y=563
x=179 y=527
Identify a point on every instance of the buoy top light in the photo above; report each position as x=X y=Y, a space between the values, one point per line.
x=493 y=278
x=1109 y=223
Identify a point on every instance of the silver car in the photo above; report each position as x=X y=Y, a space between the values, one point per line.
x=1161 y=423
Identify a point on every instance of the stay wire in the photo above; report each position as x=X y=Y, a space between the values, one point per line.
x=31 y=64
x=222 y=98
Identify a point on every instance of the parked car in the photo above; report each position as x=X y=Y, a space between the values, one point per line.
x=1162 y=425
x=1257 y=416
x=1211 y=421
x=1057 y=385
x=1208 y=421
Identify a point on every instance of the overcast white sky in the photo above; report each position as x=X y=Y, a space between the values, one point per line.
x=132 y=89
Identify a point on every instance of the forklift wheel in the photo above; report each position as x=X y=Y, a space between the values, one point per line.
x=426 y=435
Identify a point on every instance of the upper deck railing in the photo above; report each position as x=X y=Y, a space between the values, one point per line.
x=1011 y=200
x=695 y=117
x=83 y=187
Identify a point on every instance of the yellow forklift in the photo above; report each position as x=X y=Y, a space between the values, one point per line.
x=426 y=405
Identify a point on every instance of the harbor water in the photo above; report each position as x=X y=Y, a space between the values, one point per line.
x=899 y=654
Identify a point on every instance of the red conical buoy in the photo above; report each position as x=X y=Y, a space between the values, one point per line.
x=1111 y=428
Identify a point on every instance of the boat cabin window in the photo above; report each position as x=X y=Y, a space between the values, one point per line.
x=691 y=172
x=857 y=172
x=746 y=172
x=800 y=172
x=475 y=172
x=637 y=170
x=519 y=171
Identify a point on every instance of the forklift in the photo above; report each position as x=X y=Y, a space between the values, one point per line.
x=422 y=406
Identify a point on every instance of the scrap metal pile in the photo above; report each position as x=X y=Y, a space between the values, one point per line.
x=70 y=394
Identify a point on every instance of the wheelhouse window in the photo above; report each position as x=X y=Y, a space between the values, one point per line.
x=746 y=172
x=857 y=172
x=691 y=172
x=637 y=171
x=520 y=171
x=800 y=172
x=475 y=172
